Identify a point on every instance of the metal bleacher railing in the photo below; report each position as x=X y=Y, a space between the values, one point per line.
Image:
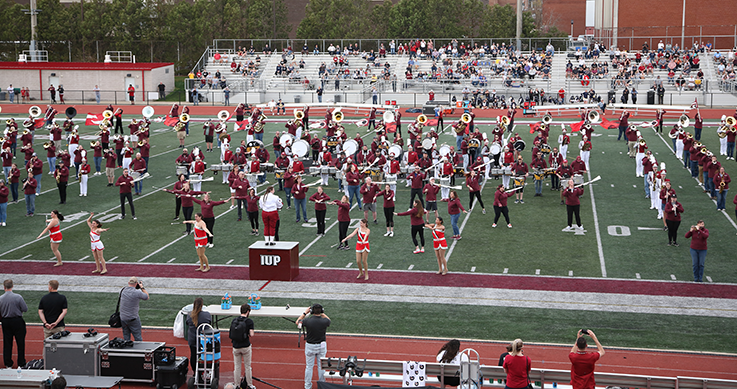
x=542 y=378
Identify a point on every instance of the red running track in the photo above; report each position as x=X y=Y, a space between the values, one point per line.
x=277 y=360
x=562 y=284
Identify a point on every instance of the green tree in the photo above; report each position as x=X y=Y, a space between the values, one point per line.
x=335 y=19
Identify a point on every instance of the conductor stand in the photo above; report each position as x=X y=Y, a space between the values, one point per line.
x=279 y=262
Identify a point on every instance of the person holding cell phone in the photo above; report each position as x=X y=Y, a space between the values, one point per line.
x=583 y=362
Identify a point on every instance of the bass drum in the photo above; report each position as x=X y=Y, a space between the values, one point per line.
x=444 y=150
x=427 y=143
x=495 y=149
x=350 y=147
x=286 y=138
x=300 y=148
x=396 y=150
x=519 y=145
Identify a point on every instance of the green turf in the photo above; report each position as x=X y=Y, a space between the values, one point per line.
x=534 y=243
x=458 y=321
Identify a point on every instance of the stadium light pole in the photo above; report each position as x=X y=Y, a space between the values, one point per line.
x=519 y=25
x=34 y=21
x=683 y=24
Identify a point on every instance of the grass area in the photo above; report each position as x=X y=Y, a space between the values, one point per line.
x=534 y=243
x=459 y=321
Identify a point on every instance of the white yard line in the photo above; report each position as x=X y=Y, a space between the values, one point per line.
x=77 y=223
x=596 y=228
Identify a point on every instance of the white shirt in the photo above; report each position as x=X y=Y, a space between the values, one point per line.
x=270 y=202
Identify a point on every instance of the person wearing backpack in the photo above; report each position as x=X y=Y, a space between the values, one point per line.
x=241 y=331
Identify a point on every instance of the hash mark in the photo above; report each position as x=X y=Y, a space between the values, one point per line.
x=113 y=258
x=537 y=272
x=171 y=260
x=570 y=273
x=229 y=262
x=473 y=268
x=506 y=270
x=380 y=266
x=318 y=264
x=83 y=258
x=411 y=267
x=27 y=256
x=709 y=279
x=349 y=264
x=673 y=277
x=637 y=275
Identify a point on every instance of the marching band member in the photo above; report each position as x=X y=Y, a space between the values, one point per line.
x=254 y=170
x=431 y=190
x=55 y=136
x=439 y=244
x=711 y=169
x=185 y=110
x=12 y=136
x=79 y=154
x=721 y=183
x=127 y=153
x=731 y=135
x=485 y=153
x=632 y=138
x=226 y=157
x=53 y=227
x=297 y=165
x=573 y=206
x=110 y=163
x=417 y=219
x=658 y=182
x=474 y=190
x=585 y=146
x=84 y=171
x=410 y=158
x=500 y=205
x=187 y=196
x=464 y=152
x=673 y=212
x=50 y=156
x=640 y=148
x=13 y=180
x=119 y=145
x=97 y=155
x=679 y=142
x=447 y=172
x=555 y=159
x=694 y=153
x=178 y=202
x=416 y=178
x=391 y=168
x=539 y=165
x=687 y=143
x=315 y=146
x=4 y=192
x=196 y=170
x=666 y=191
x=270 y=206
x=139 y=166
x=29 y=191
x=208 y=215
x=398 y=121
x=388 y=195
x=521 y=172
x=320 y=198
x=344 y=219
x=280 y=165
x=36 y=167
x=133 y=130
x=96 y=244
x=369 y=191
x=125 y=182
x=299 y=191
x=507 y=161
x=371 y=119
x=7 y=157
x=659 y=120
x=201 y=234
x=240 y=185
x=73 y=140
x=353 y=181
x=62 y=178
x=118 y=115
x=647 y=170
x=623 y=124
x=324 y=159
x=252 y=209
x=362 y=247
x=50 y=114
x=29 y=152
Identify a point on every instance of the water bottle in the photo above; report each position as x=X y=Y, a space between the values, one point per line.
x=20 y=372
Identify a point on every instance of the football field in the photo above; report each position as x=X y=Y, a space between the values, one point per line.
x=622 y=238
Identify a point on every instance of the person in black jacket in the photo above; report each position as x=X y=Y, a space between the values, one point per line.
x=241 y=331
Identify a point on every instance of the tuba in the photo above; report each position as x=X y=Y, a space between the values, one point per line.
x=35 y=111
x=593 y=116
x=71 y=112
x=184 y=118
x=299 y=114
x=107 y=114
x=684 y=121
x=147 y=111
x=722 y=131
x=505 y=120
x=337 y=116
x=223 y=115
x=547 y=119
x=730 y=121
x=422 y=119
x=465 y=118
x=388 y=116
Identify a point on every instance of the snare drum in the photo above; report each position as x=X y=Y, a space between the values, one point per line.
x=539 y=176
x=405 y=169
x=376 y=175
x=507 y=171
x=267 y=167
x=445 y=180
x=324 y=169
x=279 y=174
x=519 y=181
x=182 y=169
x=497 y=172
x=545 y=148
x=314 y=170
x=332 y=170
x=577 y=179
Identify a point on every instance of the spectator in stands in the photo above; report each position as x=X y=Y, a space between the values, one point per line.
x=517 y=367
x=52 y=309
x=316 y=322
x=130 y=296
x=582 y=362
x=226 y=95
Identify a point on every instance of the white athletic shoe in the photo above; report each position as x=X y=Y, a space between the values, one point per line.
x=580 y=228
x=509 y=225
x=387 y=233
x=391 y=234
x=210 y=245
x=567 y=229
x=493 y=225
x=3 y=224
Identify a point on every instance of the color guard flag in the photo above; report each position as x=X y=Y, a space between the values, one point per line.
x=318 y=125
x=432 y=122
x=576 y=127
x=535 y=127
x=609 y=125
x=93 y=119
x=362 y=123
x=391 y=127
x=170 y=121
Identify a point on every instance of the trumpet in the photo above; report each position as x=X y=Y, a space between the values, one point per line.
x=47 y=145
x=689 y=135
x=184 y=118
x=465 y=118
x=337 y=116
x=107 y=114
x=35 y=111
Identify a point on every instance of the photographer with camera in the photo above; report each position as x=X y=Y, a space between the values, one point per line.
x=316 y=323
x=130 y=297
x=583 y=362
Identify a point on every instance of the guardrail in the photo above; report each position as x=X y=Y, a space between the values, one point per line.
x=540 y=377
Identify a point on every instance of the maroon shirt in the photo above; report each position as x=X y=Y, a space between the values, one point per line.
x=62 y=174
x=30 y=188
x=206 y=207
x=500 y=198
x=673 y=213
x=344 y=210
x=138 y=165
x=454 y=206
x=472 y=182
x=388 y=198
x=299 y=191
x=369 y=193
x=320 y=196
x=51 y=151
x=187 y=196
x=4 y=191
x=416 y=179
x=431 y=192
x=125 y=184
x=414 y=219
x=241 y=188
x=110 y=160
x=719 y=178
x=698 y=238
x=353 y=178
x=252 y=202
x=572 y=196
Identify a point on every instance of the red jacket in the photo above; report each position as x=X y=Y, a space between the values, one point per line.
x=389 y=198
x=572 y=197
x=206 y=207
x=698 y=238
x=320 y=196
x=500 y=198
x=369 y=193
x=414 y=219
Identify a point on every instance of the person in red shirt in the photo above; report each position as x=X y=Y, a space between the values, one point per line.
x=388 y=195
x=417 y=219
x=131 y=94
x=500 y=205
x=698 y=234
x=54 y=229
x=721 y=185
x=84 y=171
x=362 y=247
x=344 y=219
x=125 y=182
x=416 y=179
x=573 y=205
x=430 y=191
x=299 y=191
x=673 y=211
x=582 y=362
x=369 y=191
x=252 y=210
x=110 y=163
x=208 y=215
x=240 y=187
x=517 y=366
x=320 y=198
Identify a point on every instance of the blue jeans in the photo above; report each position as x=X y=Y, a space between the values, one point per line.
x=353 y=190
x=138 y=186
x=697 y=134
x=52 y=164
x=132 y=327
x=694 y=169
x=674 y=144
x=722 y=199
x=97 y=97
x=3 y=212
x=6 y=172
x=454 y=223
x=686 y=158
x=37 y=177
x=698 y=257
x=706 y=181
x=30 y=204
x=621 y=133
x=288 y=191
x=730 y=149
x=647 y=188
x=459 y=139
x=259 y=136
x=98 y=163
x=301 y=203
x=313 y=352
x=319 y=98
x=538 y=186
x=12 y=95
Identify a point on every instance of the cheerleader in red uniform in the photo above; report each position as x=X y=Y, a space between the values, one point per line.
x=96 y=244
x=54 y=228
x=362 y=247
x=439 y=243
x=200 y=240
